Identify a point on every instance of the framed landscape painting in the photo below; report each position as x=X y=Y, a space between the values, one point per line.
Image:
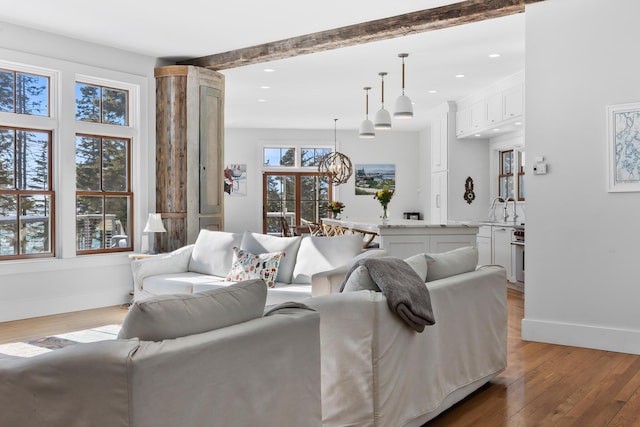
x=623 y=139
x=373 y=177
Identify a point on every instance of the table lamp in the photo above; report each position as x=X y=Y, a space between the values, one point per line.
x=154 y=225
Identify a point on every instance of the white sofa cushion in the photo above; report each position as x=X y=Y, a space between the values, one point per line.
x=260 y=243
x=172 y=316
x=457 y=261
x=318 y=254
x=212 y=253
x=359 y=279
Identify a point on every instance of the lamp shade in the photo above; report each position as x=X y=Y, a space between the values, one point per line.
x=366 y=129
x=382 y=119
x=154 y=224
x=403 y=108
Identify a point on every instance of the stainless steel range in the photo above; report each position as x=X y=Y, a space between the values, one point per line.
x=517 y=252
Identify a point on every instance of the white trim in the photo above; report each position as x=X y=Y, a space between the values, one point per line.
x=587 y=336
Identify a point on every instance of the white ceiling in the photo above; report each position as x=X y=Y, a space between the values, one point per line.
x=306 y=92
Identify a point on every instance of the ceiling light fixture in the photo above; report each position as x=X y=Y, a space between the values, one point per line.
x=403 y=108
x=459 y=76
x=335 y=168
x=383 y=118
x=366 y=127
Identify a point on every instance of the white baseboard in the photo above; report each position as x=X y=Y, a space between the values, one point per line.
x=595 y=337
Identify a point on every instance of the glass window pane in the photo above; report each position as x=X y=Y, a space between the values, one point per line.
x=7 y=91
x=520 y=187
x=288 y=157
x=8 y=225
x=114 y=107
x=7 y=158
x=271 y=157
x=87 y=163
x=35 y=224
x=32 y=95
x=87 y=102
x=118 y=211
x=89 y=223
x=114 y=165
x=32 y=160
x=506 y=162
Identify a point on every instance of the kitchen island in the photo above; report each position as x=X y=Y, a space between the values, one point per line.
x=403 y=238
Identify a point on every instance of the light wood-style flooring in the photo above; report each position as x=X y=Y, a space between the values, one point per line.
x=543 y=385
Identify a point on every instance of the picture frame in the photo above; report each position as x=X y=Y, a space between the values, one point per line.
x=623 y=144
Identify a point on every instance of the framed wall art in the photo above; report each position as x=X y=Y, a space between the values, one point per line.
x=623 y=139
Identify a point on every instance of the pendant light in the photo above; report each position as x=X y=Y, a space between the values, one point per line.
x=366 y=127
x=403 y=107
x=383 y=118
x=335 y=168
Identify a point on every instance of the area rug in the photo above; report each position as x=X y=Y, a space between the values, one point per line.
x=38 y=346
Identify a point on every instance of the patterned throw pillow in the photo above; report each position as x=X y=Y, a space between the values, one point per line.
x=251 y=266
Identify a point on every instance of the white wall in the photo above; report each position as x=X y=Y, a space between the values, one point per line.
x=399 y=148
x=582 y=242
x=40 y=287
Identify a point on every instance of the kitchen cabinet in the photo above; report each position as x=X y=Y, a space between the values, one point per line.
x=513 y=102
x=463 y=121
x=439 y=188
x=477 y=116
x=439 y=141
x=501 y=247
x=494 y=110
x=483 y=243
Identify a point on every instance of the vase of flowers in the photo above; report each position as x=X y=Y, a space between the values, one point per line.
x=384 y=197
x=336 y=208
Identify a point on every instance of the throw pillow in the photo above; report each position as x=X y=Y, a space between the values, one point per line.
x=262 y=243
x=318 y=254
x=360 y=280
x=178 y=315
x=212 y=252
x=419 y=264
x=457 y=261
x=251 y=266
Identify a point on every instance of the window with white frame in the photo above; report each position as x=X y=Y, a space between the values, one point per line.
x=26 y=143
x=104 y=197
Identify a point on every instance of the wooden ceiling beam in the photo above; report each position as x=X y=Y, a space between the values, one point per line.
x=381 y=29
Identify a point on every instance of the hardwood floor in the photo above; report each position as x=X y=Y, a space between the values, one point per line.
x=20 y=330
x=552 y=385
x=543 y=385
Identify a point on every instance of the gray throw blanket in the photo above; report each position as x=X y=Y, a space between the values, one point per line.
x=407 y=295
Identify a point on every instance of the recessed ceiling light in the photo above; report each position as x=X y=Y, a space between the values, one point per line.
x=494 y=55
x=477 y=134
x=269 y=70
x=459 y=76
x=496 y=130
x=265 y=87
x=433 y=91
x=517 y=123
x=262 y=100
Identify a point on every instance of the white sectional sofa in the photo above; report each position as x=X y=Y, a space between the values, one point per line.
x=207 y=263
x=208 y=359
x=378 y=372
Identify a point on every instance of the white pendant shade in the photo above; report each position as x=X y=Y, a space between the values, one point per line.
x=403 y=108
x=382 y=119
x=366 y=129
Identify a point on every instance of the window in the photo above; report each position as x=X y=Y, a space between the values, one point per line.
x=312 y=156
x=26 y=199
x=103 y=193
x=276 y=156
x=505 y=176
x=24 y=93
x=296 y=196
x=104 y=199
x=99 y=104
x=26 y=190
x=520 y=175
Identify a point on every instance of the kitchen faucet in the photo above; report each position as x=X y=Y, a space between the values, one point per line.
x=493 y=207
x=515 y=213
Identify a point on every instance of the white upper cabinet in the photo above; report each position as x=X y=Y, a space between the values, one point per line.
x=463 y=121
x=477 y=116
x=513 y=102
x=494 y=110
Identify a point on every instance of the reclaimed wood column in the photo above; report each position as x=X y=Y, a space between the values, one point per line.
x=171 y=156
